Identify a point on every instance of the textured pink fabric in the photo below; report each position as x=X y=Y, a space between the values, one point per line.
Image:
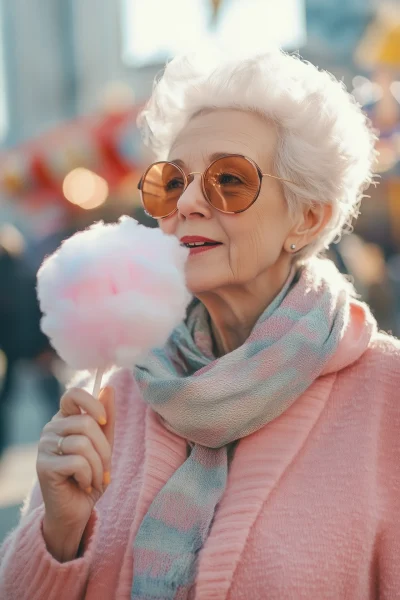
x=311 y=510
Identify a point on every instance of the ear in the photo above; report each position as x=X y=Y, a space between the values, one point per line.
x=311 y=221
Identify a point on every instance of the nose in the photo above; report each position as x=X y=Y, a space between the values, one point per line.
x=192 y=203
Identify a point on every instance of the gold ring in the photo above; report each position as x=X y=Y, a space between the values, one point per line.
x=59 y=444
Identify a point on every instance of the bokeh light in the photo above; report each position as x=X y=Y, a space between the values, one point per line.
x=85 y=188
x=366 y=91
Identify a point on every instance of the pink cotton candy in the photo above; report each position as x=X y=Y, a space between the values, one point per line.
x=111 y=293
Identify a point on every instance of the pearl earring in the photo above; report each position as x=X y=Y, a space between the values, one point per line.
x=293 y=246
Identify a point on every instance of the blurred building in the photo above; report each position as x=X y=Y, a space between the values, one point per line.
x=59 y=59
x=60 y=56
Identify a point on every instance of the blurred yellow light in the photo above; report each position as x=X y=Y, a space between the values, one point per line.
x=85 y=188
x=13 y=241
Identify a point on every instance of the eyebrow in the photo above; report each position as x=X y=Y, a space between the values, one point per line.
x=211 y=158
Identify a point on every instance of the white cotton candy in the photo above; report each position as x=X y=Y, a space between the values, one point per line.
x=111 y=293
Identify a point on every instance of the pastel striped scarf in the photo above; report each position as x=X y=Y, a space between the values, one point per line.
x=214 y=401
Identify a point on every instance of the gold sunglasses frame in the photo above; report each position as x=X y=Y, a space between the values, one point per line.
x=187 y=179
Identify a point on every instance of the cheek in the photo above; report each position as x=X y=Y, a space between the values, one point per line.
x=271 y=220
x=255 y=240
x=254 y=235
x=168 y=225
x=250 y=250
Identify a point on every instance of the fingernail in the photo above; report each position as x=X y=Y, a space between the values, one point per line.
x=102 y=421
x=106 y=478
x=108 y=390
x=88 y=490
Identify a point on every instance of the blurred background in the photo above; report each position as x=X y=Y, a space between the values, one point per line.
x=73 y=76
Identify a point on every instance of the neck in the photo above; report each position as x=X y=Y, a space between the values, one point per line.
x=235 y=309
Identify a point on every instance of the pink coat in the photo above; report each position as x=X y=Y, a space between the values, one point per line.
x=311 y=510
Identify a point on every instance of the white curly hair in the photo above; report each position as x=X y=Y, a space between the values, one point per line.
x=326 y=144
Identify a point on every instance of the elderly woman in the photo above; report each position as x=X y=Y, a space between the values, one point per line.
x=257 y=455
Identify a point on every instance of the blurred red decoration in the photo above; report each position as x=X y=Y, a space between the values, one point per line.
x=34 y=172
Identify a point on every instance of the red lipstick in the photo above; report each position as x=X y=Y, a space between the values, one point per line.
x=198 y=243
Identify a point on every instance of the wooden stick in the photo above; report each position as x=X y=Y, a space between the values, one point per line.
x=97 y=382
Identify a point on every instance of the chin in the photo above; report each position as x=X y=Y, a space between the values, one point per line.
x=200 y=283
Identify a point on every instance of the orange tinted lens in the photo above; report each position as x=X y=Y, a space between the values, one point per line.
x=162 y=185
x=232 y=184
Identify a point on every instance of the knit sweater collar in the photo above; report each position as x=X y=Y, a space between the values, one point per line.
x=357 y=334
x=261 y=460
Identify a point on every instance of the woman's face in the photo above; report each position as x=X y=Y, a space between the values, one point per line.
x=253 y=242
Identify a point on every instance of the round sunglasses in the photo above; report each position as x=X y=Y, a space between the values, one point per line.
x=230 y=184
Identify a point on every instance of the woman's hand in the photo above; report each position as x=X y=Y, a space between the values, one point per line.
x=74 y=481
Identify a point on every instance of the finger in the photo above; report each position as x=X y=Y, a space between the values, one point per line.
x=81 y=425
x=52 y=467
x=75 y=400
x=81 y=445
x=107 y=398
